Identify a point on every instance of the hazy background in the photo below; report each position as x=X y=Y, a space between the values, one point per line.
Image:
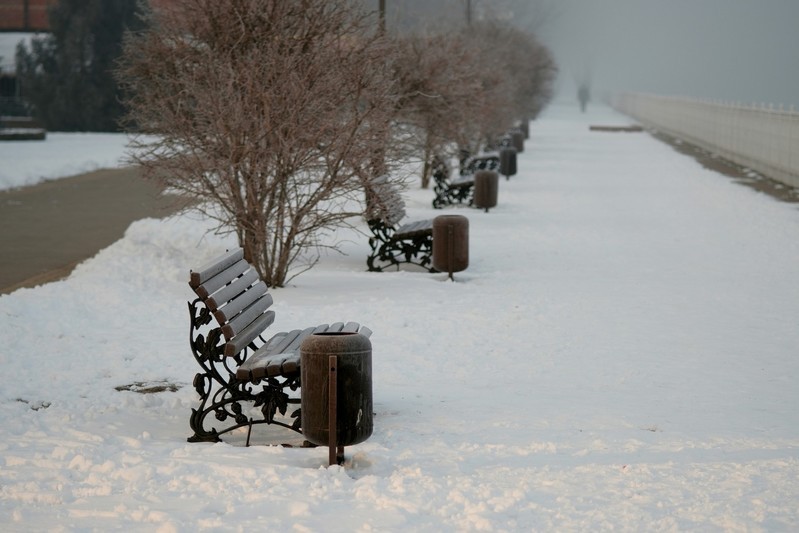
x=738 y=50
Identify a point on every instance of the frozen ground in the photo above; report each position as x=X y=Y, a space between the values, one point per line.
x=620 y=354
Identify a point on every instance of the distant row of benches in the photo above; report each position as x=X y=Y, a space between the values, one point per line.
x=395 y=240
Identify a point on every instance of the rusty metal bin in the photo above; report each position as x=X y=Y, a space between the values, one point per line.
x=450 y=243
x=517 y=140
x=525 y=127
x=336 y=378
x=507 y=161
x=486 y=185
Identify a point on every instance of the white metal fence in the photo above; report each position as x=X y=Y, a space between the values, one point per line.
x=764 y=139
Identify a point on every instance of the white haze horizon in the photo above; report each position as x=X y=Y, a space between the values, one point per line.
x=731 y=50
x=728 y=50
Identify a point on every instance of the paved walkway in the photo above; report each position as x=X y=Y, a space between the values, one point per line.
x=49 y=228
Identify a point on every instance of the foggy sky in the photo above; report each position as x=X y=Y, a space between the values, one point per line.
x=737 y=50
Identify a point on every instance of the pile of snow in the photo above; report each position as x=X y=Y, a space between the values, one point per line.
x=620 y=353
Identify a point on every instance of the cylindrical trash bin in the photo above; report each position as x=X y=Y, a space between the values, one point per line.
x=486 y=185
x=507 y=161
x=450 y=243
x=525 y=127
x=517 y=140
x=353 y=413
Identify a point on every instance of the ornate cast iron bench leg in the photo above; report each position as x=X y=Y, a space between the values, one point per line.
x=221 y=394
x=388 y=250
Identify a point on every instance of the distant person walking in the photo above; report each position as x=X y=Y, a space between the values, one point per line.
x=583 y=95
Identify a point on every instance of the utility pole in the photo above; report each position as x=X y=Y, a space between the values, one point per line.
x=469 y=13
x=382 y=9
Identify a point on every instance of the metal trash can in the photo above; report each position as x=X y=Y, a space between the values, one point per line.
x=450 y=243
x=336 y=388
x=517 y=140
x=525 y=127
x=507 y=161
x=486 y=185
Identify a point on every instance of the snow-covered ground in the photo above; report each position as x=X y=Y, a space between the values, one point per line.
x=620 y=354
x=59 y=155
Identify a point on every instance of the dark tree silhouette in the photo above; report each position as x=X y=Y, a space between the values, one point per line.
x=67 y=75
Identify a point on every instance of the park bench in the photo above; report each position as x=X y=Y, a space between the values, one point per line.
x=241 y=370
x=394 y=243
x=460 y=189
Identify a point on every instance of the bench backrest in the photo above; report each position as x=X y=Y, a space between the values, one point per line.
x=440 y=169
x=384 y=202
x=236 y=296
x=484 y=161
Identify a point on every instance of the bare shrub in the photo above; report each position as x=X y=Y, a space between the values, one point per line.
x=517 y=74
x=267 y=113
x=526 y=65
x=439 y=91
x=460 y=90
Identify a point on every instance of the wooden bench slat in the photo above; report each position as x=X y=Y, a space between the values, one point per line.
x=414 y=229
x=321 y=328
x=268 y=346
x=285 y=342
x=275 y=365
x=267 y=360
x=291 y=364
x=253 y=367
x=462 y=181
x=350 y=327
x=292 y=341
x=243 y=319
x=410 y=226
x=294 y=346
x=215 y=267
x=215 y=283
x=416 y=226
x=228 y=292
x=249 y=334
x=228 y=311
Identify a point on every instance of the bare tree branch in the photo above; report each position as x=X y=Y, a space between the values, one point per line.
x=266 y=113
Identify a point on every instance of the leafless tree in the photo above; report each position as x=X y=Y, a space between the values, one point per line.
x=462 y=89
x=267 y=113
x=439 y=91
x=522 y=69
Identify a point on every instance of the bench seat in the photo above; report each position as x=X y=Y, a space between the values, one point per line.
x=281 y=355
x=418 y=228
x=462 y=181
